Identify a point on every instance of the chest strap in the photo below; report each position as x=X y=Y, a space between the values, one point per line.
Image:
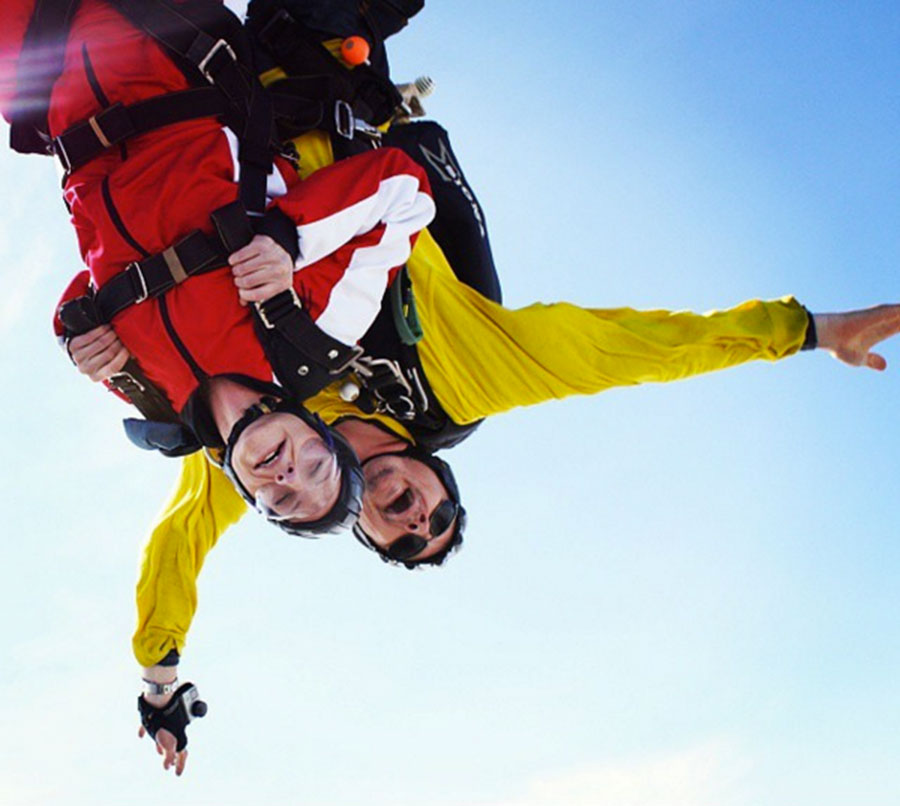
x=81 y=143
x=196 y=253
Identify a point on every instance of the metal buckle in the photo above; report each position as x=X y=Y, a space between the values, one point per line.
x=356 y=353
x=221 y=43
x=365 y=366
x=389 y=407
x=60 y=150
x=262 y=314
x=125 y=376
x=145 y=292
x=343 y=119
x=366 y=130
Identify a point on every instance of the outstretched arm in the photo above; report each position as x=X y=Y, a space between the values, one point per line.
x=850 y=336
x=203 y=505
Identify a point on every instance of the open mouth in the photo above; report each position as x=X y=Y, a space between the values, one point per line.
x=401 y=503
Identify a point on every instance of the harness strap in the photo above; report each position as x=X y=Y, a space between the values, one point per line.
x=285 y=315
x=84 y=141
x=81 y=315
x=142 y=279
x=147 y=398
x=299 y=51
x=39 y=64
x=217 y=62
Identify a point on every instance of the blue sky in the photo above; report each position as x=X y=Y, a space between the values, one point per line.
x=681 y=595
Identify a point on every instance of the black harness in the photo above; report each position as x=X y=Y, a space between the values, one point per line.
x=209 y=45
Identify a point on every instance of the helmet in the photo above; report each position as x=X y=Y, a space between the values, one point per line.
x=446 y=477
x=346 y=509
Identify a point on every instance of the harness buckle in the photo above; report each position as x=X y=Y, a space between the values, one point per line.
x=343 y=119
x=204 y=62
x=356 y=353
x=367 y=369
x=143 y=293
x=260 y=309
x=120 y=380
x=367 y=130
x=60 y=150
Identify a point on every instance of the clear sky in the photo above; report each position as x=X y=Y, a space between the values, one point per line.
x=682 y=595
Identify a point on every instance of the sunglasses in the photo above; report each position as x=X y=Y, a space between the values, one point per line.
x=409 y=545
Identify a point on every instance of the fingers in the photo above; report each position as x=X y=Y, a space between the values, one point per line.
x=260 y=246
x=264 y=283
x=98 y=353
x=875 y=361
x=278 y=260
x=261 y=276
x=180 y=761
x=107 y=363
x=89 y=344
x=165 y=744
x=262 y=293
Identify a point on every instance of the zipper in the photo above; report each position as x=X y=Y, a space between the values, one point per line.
x=199 y=374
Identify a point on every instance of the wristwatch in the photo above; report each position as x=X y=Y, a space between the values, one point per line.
x=152 y=687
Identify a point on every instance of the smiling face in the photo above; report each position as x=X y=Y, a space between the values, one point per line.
x=401 y=495
x=286 y=466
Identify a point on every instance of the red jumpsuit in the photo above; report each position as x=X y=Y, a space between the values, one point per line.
x=356 y=221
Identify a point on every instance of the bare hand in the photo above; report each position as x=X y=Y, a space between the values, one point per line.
x=850 y=336
x=98 y=353
x=261 y=270
x=165 y=746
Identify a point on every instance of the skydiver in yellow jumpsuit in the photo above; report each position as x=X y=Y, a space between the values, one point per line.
x=481 y=359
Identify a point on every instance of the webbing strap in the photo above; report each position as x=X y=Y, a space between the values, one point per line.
x=194 y=254
x=299 y=51
x=84 y=141
x=284 y=314
x=39 y=65
x=217 y=62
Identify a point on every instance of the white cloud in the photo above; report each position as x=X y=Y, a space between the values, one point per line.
x=708 y=774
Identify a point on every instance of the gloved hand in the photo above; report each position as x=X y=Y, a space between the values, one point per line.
x=167 y=724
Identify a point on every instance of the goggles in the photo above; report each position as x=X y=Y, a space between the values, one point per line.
x=409 y=545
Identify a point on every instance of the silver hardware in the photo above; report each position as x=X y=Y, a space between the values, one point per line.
x=332 y=354
x=60 y=151
x=262 y=313
x=355 y=352
x=152 y=687
x=365 y=366
x=126 y=376
x=343 y=119
x=366 y=130
x=213 y=51
x=145 y=293
x=420 y=389
x=303 y=370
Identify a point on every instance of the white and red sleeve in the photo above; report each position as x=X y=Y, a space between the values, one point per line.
x=357 y=221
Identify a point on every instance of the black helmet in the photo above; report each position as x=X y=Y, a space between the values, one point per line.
x=446 y=477
x=346 y=509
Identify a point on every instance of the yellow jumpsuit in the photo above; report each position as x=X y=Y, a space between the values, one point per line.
x=480 y=359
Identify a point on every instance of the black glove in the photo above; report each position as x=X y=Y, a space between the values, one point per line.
x=175 y=716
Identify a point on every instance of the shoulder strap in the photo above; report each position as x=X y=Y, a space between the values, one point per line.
x=39 y=64
x=225 y=62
